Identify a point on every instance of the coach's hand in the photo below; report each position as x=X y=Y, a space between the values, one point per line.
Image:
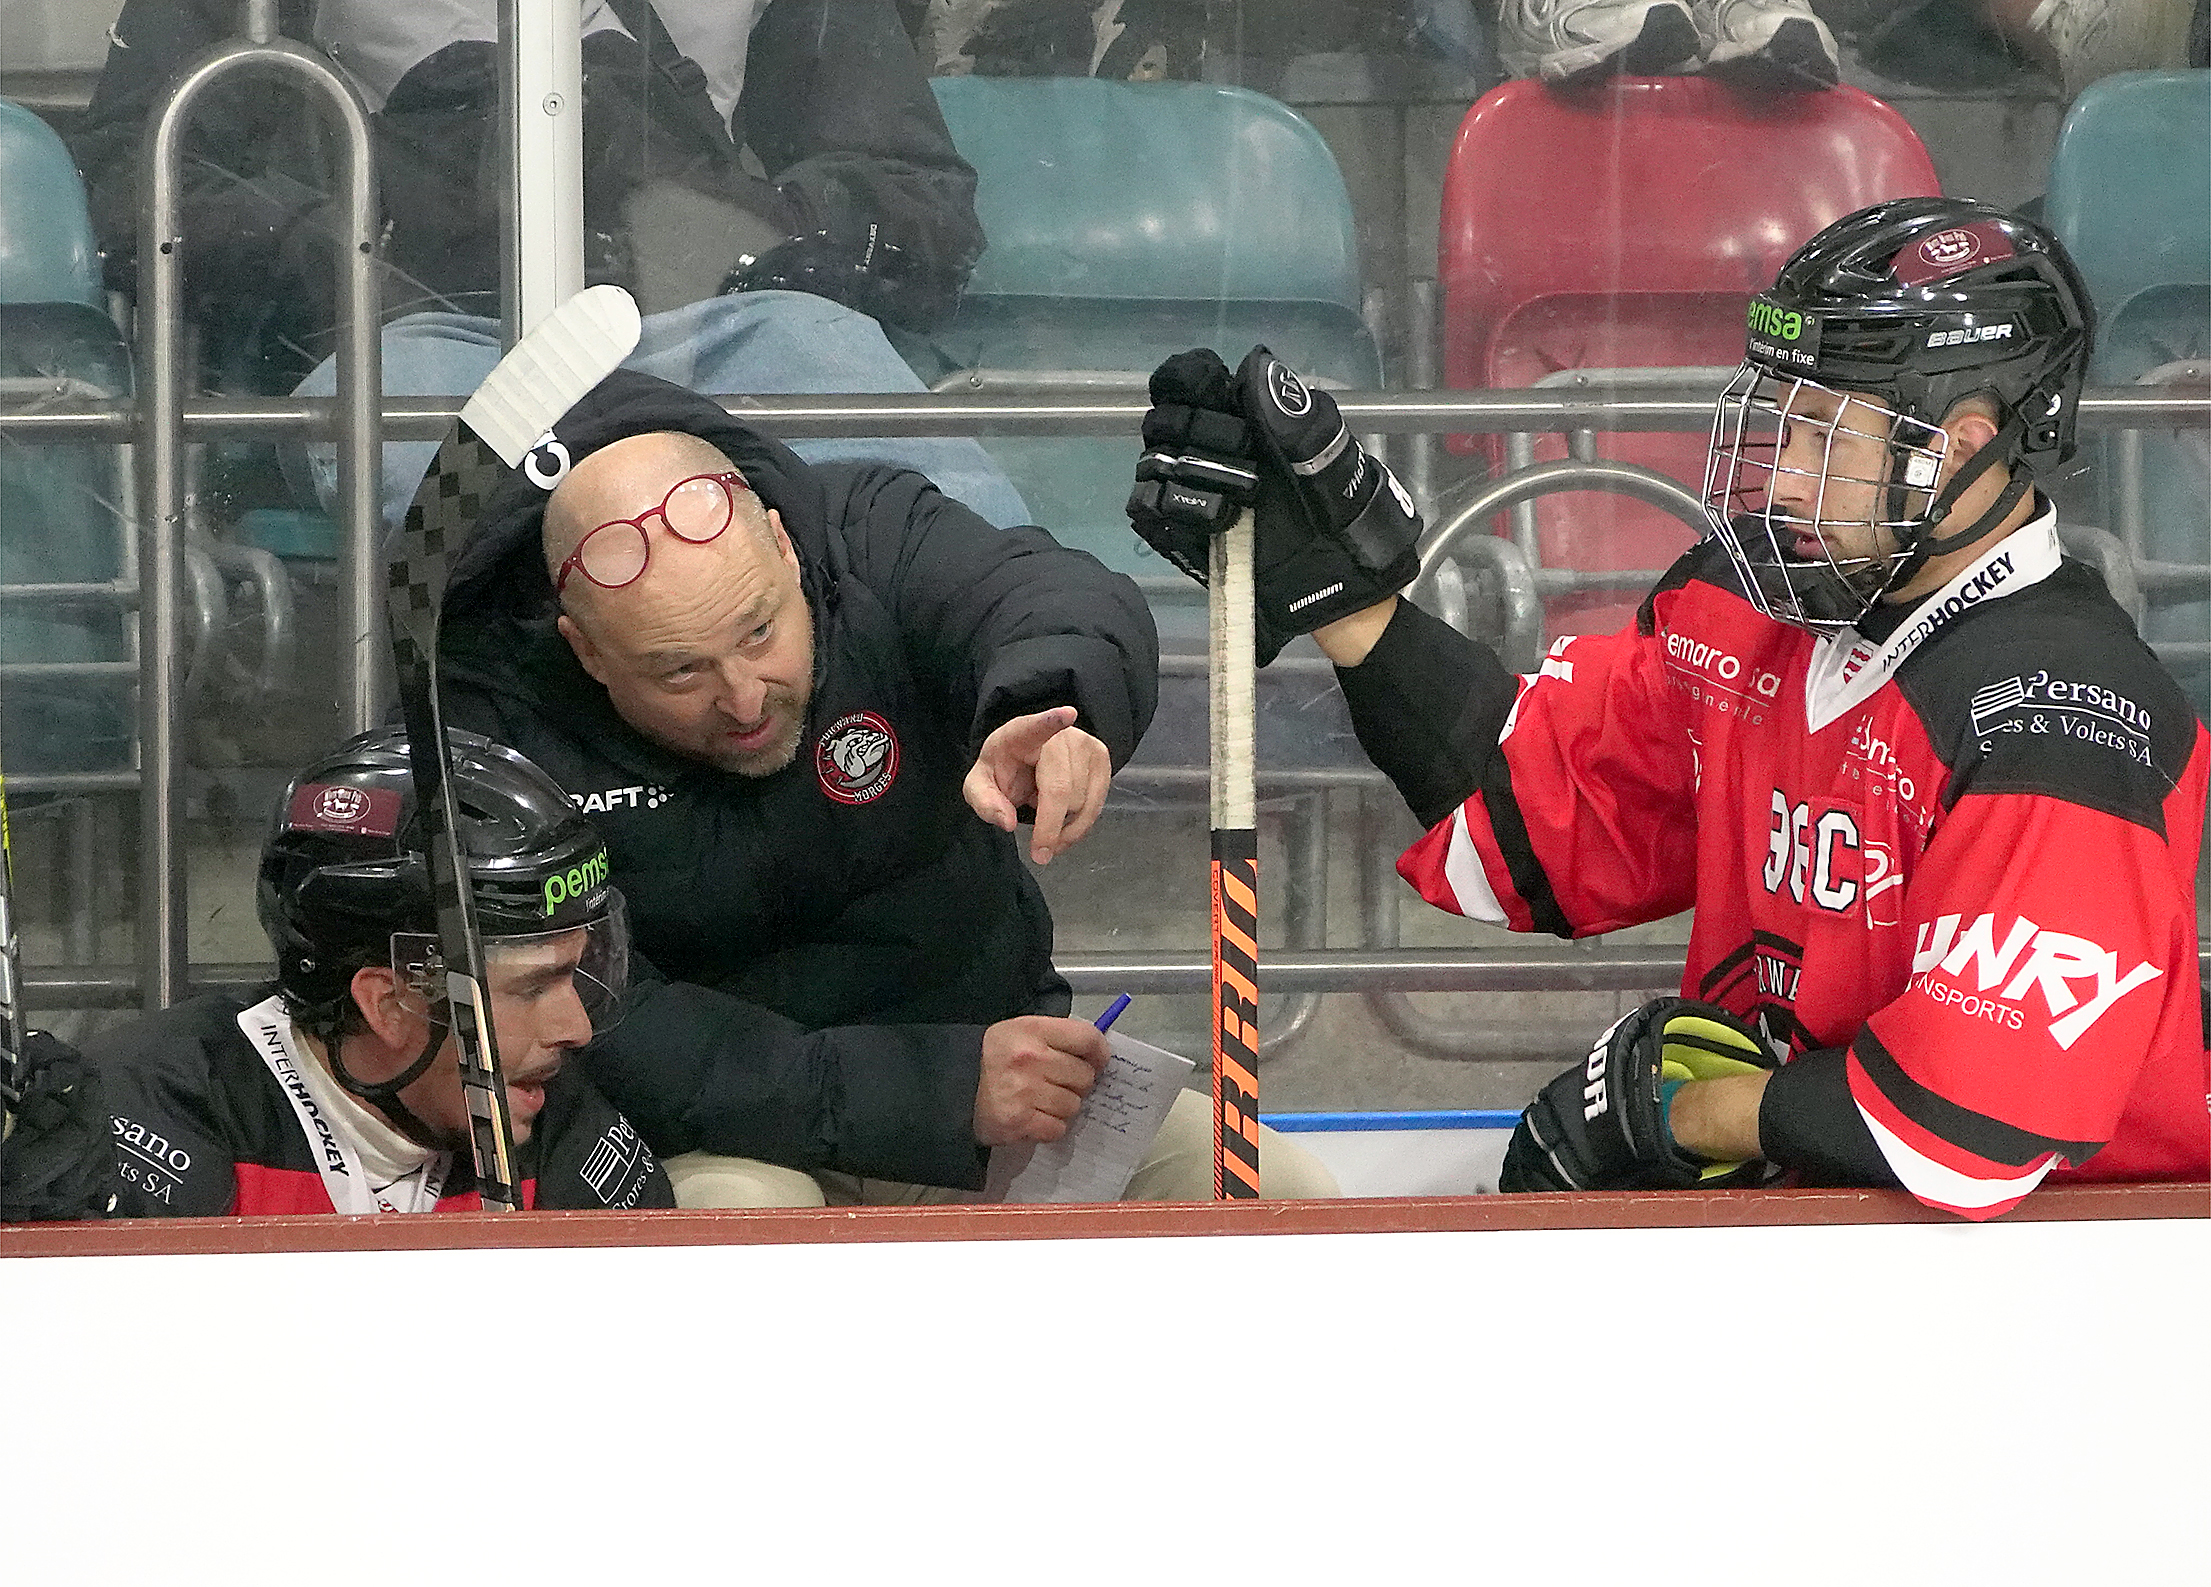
x=1602 y=1124
x=1036 y=1071
x=1337 y=533
x=1043 y=761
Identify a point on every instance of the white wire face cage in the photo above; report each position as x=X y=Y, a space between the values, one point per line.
x=1817 y=537
x=598 y=949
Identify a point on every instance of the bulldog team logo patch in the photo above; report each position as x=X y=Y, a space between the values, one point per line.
x=1948 y=252
x=339 y=807
x=856 y=758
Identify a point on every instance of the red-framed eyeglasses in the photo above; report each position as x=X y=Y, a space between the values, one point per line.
x=616 y=553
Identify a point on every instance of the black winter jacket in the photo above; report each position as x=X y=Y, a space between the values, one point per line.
x=820 y=970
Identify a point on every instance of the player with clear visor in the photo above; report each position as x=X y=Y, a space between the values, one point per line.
x=1897 y=391
x=346 y=867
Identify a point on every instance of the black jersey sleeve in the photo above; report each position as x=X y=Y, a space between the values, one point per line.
x=1427 y=705
x=1808 y=1123
x=175 y=1155
x=591 y=1157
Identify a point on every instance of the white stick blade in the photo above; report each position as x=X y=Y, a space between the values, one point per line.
x=578 y=345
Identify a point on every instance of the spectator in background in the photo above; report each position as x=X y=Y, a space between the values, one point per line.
x=766 y=284
x=1141 y=41
x=2079 y=42
x=1760 y=43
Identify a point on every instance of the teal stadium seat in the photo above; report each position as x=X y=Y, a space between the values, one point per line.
x=1126 y=222
x=59 y=518
x=2130 y=195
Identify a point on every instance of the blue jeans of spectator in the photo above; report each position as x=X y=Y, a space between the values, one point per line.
x=763 y=343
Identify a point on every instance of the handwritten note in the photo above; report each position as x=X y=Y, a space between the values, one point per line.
x=1094 y=1160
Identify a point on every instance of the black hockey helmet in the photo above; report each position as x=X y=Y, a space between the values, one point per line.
x=1919 y=303
x=343 y=872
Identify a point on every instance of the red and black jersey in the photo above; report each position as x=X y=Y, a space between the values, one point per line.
x=203 y=1127
x=1959 y=846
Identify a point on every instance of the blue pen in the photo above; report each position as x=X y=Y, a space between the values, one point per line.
x=1113 y=1012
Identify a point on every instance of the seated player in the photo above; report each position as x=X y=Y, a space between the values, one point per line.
x=340 y=1090
x=807 y=705
x=1936 y=806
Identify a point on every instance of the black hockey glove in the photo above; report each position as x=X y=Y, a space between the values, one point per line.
x=1337 y=533
x=1602 y=1124
x=57 y=1162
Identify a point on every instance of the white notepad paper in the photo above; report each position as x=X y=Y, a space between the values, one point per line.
x=1098 y=1155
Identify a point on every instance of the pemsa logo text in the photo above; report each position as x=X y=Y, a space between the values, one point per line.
x=1774 y=322
x=1945 y=956
x=1783 y=336
x=575 y=882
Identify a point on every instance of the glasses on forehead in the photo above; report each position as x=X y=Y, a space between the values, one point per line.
x=697 y=509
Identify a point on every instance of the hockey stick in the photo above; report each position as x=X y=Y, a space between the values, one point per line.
x=1232 y=695
x=515 y=408
x=14 y=1063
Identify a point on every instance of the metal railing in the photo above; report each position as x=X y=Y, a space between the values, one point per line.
x=160 y=433
x=164 y=419
x=1407 y=413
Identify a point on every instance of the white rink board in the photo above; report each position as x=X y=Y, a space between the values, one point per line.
x=1454 y=1162
x=2016 y=1403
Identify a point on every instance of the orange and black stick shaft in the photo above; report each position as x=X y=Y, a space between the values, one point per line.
x=1233 y=699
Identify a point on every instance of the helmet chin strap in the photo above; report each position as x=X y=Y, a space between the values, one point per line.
x=1929 y=544
x=383 y=1095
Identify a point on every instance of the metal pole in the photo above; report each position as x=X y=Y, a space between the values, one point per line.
x=1421 y=374
x=60 y=419
x=365 y=677
x=541 y=136
x=162 y=927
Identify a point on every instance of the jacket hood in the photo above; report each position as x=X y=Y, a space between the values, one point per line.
x=500 y=572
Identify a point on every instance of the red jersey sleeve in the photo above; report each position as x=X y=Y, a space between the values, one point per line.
x=2053 y=951
x=1586 y=820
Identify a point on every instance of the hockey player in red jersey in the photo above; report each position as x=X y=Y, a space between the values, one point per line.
x=1937 y=808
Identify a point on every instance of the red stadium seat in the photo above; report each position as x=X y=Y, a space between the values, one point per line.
x=1625 y=226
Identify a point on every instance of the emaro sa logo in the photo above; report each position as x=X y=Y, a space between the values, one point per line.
x=2050 y=962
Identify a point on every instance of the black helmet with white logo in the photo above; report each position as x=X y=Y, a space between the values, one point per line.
x=1920 y=304
x=343 y=872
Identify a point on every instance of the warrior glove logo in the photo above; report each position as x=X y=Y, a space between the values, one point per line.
x=856 y=758
x=1288 y=391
